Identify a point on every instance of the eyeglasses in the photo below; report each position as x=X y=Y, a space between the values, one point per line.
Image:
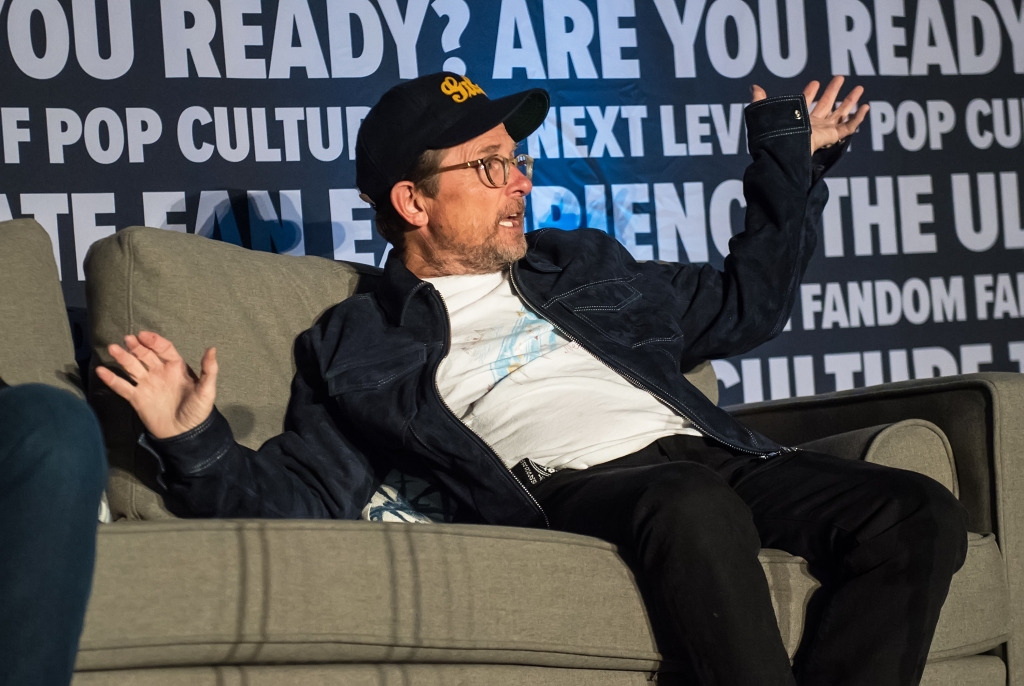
x=496 y=168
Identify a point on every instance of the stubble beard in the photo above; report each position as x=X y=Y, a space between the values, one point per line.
x=497 y=250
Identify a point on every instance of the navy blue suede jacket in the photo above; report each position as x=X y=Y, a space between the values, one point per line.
x=364 y=399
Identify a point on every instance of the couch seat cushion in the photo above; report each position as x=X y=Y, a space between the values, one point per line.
x=982 y=670
x=201 y=592
x=366 y=675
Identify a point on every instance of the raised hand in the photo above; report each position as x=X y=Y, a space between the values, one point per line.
x=167 y=395
x=828 y=125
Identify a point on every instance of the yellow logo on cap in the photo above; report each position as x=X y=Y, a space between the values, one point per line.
x=461 y=91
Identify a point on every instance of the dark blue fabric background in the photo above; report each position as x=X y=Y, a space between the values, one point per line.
x=602 y=57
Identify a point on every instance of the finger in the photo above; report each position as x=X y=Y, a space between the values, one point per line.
x=116 y=383
x=828 y=96
x=759 y=93
x=148 y=357
x=136 y=370
x=209 y=369
x=849 y=103
x=811 y=92
x=160 y=345
x=850 y=127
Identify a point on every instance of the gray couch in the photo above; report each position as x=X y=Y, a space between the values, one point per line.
x=321 y=602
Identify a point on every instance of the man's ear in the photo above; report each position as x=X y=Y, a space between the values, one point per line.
x=408 y=202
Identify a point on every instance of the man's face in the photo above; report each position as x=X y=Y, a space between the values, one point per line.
x=474 y=228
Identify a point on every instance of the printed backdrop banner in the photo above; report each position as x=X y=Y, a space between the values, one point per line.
x=236 y=120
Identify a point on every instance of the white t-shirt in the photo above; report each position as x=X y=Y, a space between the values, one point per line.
x=531 y=393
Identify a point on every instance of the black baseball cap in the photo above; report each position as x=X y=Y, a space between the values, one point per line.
x=432 y=112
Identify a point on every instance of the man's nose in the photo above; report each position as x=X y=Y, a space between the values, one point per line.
x=518 y=184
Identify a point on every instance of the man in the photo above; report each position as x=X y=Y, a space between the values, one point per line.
x=539 y=380
x=53 y=469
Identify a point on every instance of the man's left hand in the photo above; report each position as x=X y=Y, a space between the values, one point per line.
x=828 y=125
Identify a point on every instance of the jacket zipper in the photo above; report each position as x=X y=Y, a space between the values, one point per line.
x=633 y=380
x=470 y=432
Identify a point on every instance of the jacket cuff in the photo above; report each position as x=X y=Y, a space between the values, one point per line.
x=784 y=115
x=193 y=451
x=783 y=126
x=825 y=158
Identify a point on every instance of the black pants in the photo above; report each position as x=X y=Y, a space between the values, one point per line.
x=690 y=518
x=53 y=469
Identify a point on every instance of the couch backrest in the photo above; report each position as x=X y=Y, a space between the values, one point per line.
x=704 y=378
x=35 y=337
x=200 y=293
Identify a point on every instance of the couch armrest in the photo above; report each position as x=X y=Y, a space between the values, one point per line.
x=982 y=415
x=912 y=444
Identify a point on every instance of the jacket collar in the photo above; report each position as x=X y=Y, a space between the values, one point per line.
x=536 y=257
x=539 y=261
x=396 y=286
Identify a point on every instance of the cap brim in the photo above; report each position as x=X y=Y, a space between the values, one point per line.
x=521 y=113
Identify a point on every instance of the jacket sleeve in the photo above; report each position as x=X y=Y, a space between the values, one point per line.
x=730 y=311
x=309 y=471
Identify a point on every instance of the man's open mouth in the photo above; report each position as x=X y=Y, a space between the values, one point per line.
x=512 y=220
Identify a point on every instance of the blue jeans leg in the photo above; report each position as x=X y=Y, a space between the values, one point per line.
x=52 y=473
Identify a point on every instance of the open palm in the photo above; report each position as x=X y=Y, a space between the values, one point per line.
x=167 y=395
